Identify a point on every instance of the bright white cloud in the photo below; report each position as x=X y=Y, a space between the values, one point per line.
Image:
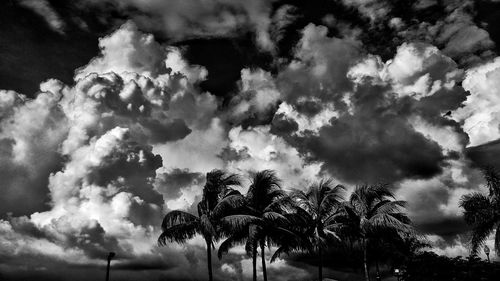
x=480 y=114
x=100 y=132
x=257 y=97
x=257 y=149
x=417 y=70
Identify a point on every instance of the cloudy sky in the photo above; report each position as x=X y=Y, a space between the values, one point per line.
x=112 y=111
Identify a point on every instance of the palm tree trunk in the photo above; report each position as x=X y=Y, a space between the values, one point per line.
x=254 y=261
x=262 y=248
x=209 y=260
x=365 y=260
x=378 y=270
x=320 y=265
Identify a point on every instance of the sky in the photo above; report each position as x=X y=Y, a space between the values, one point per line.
x=113 y=111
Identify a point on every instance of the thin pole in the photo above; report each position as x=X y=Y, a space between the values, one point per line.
x=110 y=256
x=320 y=265
x=107 y=270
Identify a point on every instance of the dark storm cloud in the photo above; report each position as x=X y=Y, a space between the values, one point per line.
x=371 y=139
x=281 y=125
x=133 y=174
x=448 y=228
x=172 y=182
x=174 y=130
x=374 y=145
x=426 y=207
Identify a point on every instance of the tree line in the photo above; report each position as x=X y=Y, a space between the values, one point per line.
x=290 y=222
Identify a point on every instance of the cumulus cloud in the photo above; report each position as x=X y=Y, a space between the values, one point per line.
x=30 y=136
x=88 y=149
x=133 y=136
x=197 y=152
x=180 y=187
x=256 y=149
x=257 y=98
x=480 y=113
x=372 y=9
x=362 y=113
x=456 y=33
x=318 y=71
x=129 y=50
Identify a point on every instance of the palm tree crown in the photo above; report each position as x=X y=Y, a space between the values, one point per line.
x=263 y=220
x=371 y=210
x=482 y=212
x=217 y=201
x=319 y=209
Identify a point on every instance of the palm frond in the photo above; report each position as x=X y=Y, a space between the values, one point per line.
x=333 y=217
x=281 y=250
x=301 y=200
x=239 y=222
x=233 y=240
x=228 y=205
x=218 y=181
x=281 y=204
x=358 y=199
x=177 y=217
x=275 y=218
x=179 y=233
x=477 y=208
x=265 y=188
x=388 y=221
x=387 y=206
x=330 y=196
x=492 y=180
x=207 y=228
x=479 y=235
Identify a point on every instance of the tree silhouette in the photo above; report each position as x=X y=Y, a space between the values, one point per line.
x=372 y=209
x=320 y=208
x=217 y=201
x=482 y=212
x=263 y=222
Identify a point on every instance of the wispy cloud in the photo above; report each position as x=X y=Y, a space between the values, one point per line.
x=47 y=12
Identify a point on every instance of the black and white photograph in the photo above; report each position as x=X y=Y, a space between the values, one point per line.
x=250 y=140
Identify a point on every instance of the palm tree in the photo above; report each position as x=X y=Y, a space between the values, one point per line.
x=372 y=209
x=263 y=222
x=320 y=207
x=217 y=201
x=482 y=212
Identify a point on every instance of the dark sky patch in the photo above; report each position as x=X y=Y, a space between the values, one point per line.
x=172 y=182
x=31 y=52
x=224 y=59
x=358 y=149
x=486 y=154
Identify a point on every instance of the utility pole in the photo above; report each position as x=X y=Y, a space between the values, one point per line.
x=110 y=256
